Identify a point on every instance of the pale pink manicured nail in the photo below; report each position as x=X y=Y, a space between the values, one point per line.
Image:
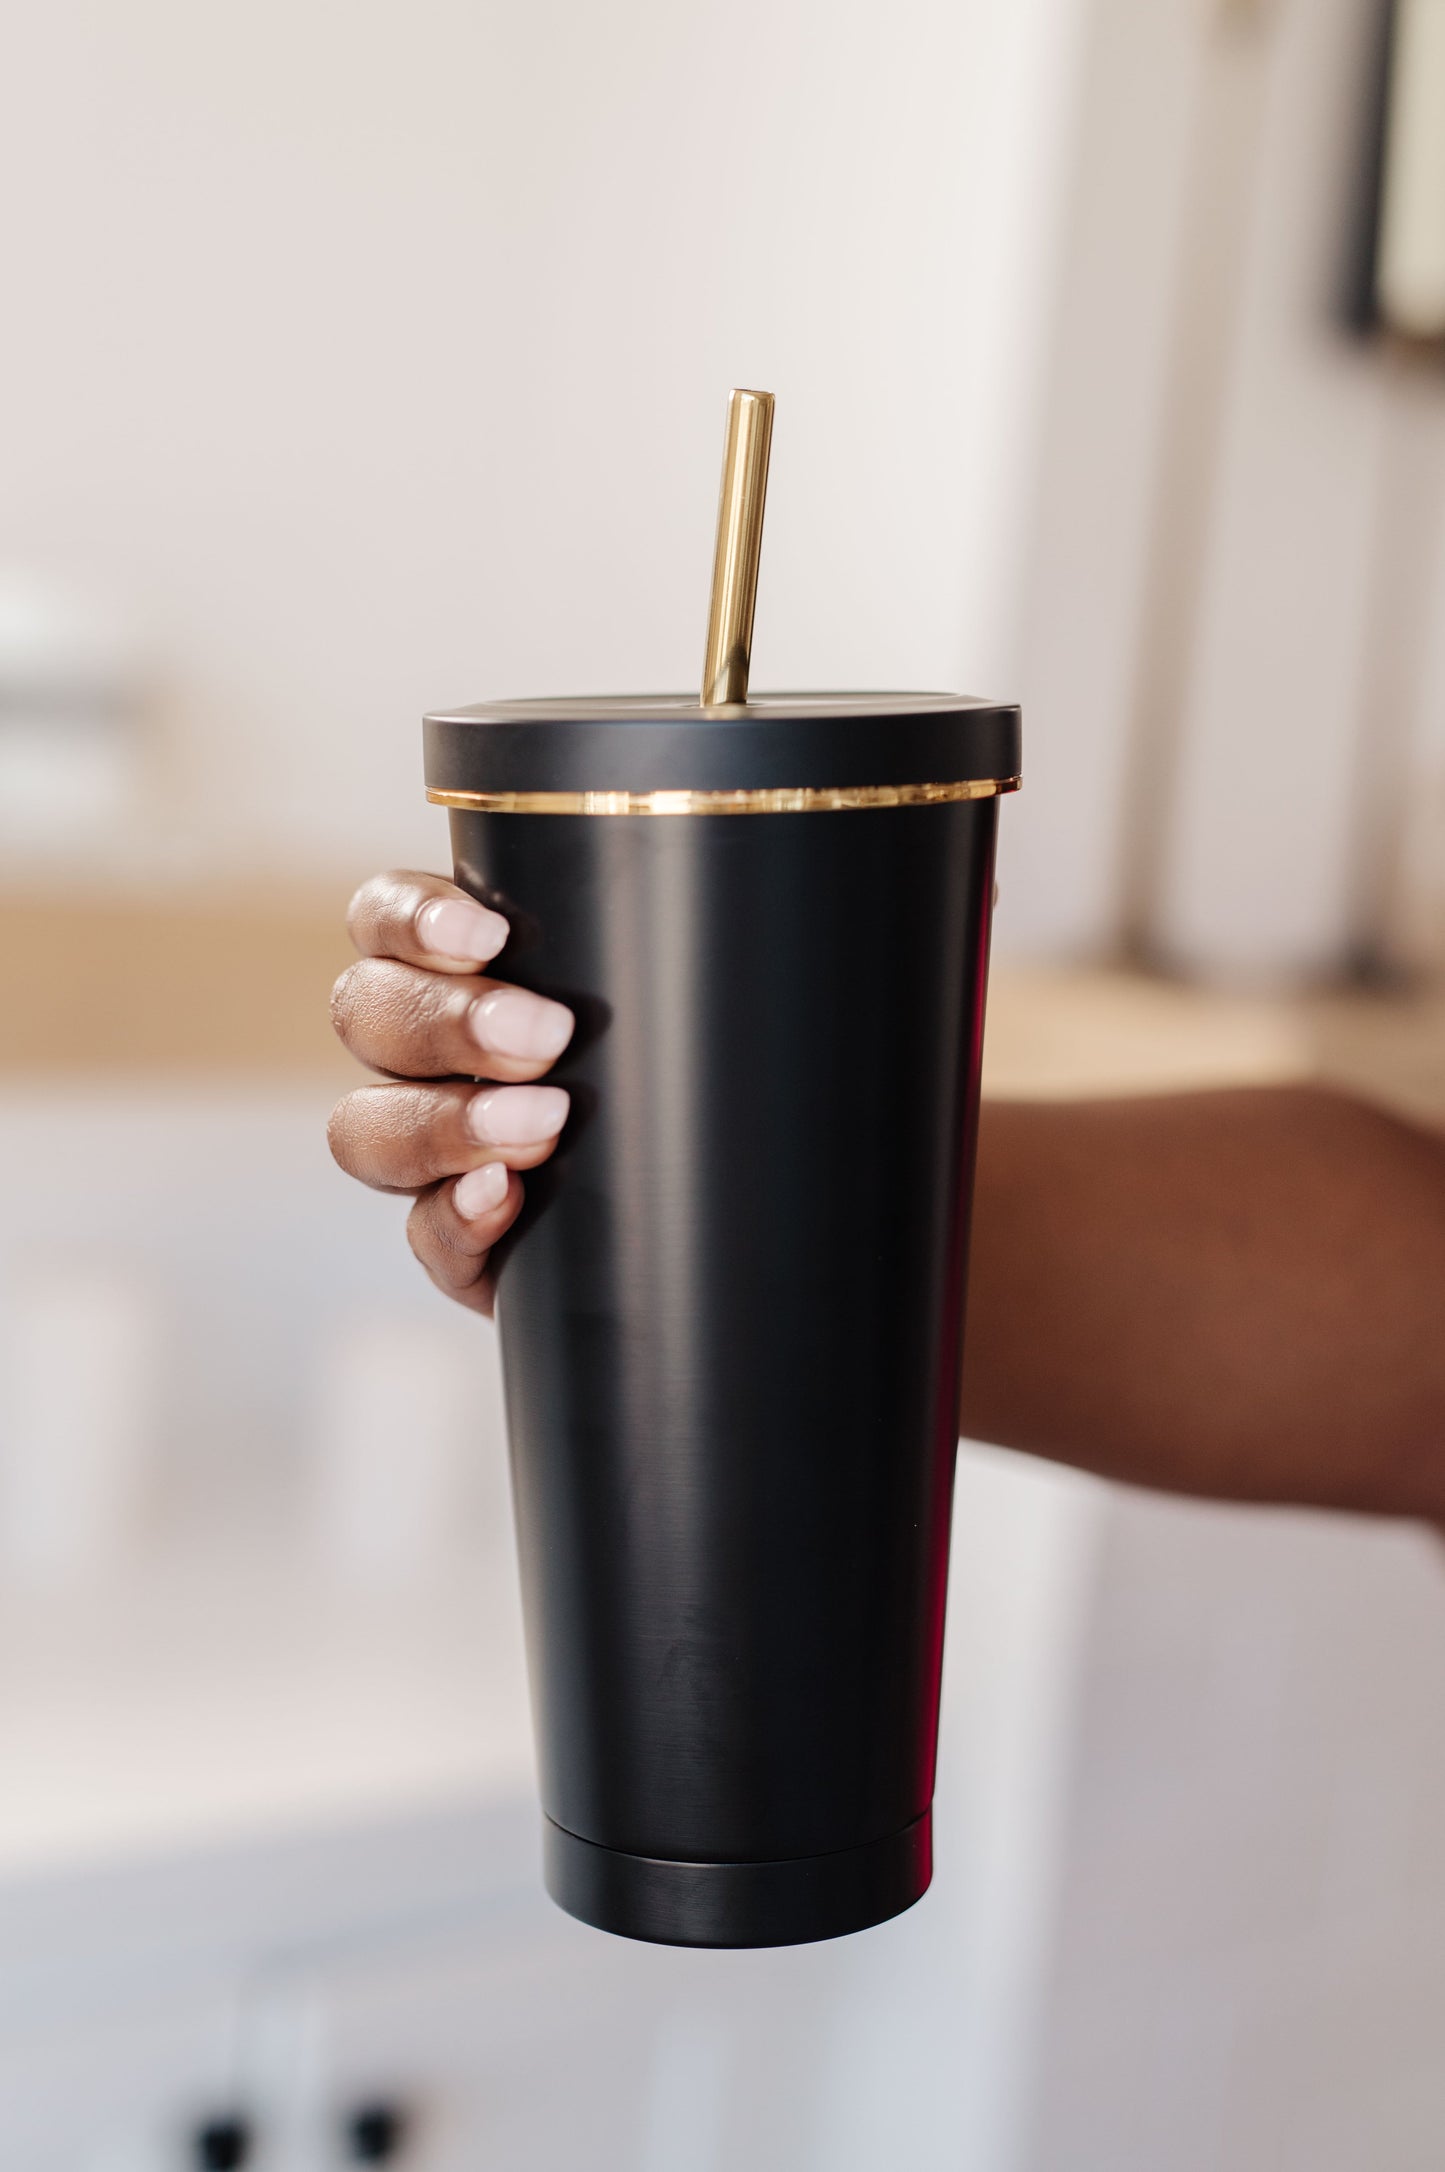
x=481 y=1191
x=517 y=1115
x=453 y=927
x=513 y=1022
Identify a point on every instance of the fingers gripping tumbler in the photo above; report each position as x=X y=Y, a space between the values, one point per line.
x=731 y=1313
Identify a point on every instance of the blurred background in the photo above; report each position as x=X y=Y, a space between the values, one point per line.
x=360 y=360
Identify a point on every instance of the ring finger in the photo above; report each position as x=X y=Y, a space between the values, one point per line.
x=402 y=1137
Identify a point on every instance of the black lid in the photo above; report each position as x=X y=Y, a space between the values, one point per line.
x=668 y=742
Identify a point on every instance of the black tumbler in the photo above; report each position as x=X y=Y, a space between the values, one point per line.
x=731 y=1312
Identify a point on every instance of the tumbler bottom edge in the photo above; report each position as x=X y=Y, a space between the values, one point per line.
x=793 y=1902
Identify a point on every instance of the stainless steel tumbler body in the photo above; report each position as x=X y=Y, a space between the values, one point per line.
x=731 y=1313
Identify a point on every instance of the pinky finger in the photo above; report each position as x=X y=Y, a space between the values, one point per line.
x=453 y=1226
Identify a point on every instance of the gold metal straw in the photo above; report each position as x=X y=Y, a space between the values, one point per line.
x=739 y=546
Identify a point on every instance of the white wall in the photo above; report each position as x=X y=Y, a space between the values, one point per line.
x=1276 y=712
x=1088 y=554
x=367 y=359
x=376 y=357
x=1232 y=681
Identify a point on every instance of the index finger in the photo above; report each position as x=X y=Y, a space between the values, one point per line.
x=424 y=920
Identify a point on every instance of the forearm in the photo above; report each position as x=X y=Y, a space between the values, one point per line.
x=1234 y=1294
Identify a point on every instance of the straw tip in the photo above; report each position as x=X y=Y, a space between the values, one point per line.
x=739 y=542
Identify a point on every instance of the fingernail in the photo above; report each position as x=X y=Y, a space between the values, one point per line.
x=513 y=1022
x=481 y=1191
x=517 y=1115
x=453 y=927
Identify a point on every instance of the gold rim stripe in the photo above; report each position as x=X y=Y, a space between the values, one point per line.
x=772 y=799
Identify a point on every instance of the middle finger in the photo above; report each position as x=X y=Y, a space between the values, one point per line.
x=420 y=1024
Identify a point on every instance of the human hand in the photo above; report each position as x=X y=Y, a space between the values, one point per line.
x=418 y=1007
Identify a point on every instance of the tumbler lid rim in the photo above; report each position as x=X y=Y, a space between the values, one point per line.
x=803 y=705
x=650 y=743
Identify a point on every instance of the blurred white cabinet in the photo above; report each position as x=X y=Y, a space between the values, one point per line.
x=287 y=1985
x=414 y=1970
x=118 y=2087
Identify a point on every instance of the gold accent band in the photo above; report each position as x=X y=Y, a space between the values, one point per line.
x=769 y=799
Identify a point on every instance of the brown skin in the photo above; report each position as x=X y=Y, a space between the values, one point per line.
x=1234 y=1294
x=1239 y=1295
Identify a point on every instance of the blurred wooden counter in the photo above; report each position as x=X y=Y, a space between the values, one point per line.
x=1055 y=1032
x=215 y=985
x=197 y=984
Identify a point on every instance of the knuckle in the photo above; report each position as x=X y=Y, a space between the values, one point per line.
x=366 y=912
x=381 y=911
x=416 y=1231
x=338 y=1133
x=344 y=1003
x=398 y=1017
x=372 y=904
x=422 y=1234
x=427 y=1020
x=387 y=1135
x=404 y=1019
x=436 y=1245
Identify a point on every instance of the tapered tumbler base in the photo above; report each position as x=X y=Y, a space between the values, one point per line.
x=789 y=1903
